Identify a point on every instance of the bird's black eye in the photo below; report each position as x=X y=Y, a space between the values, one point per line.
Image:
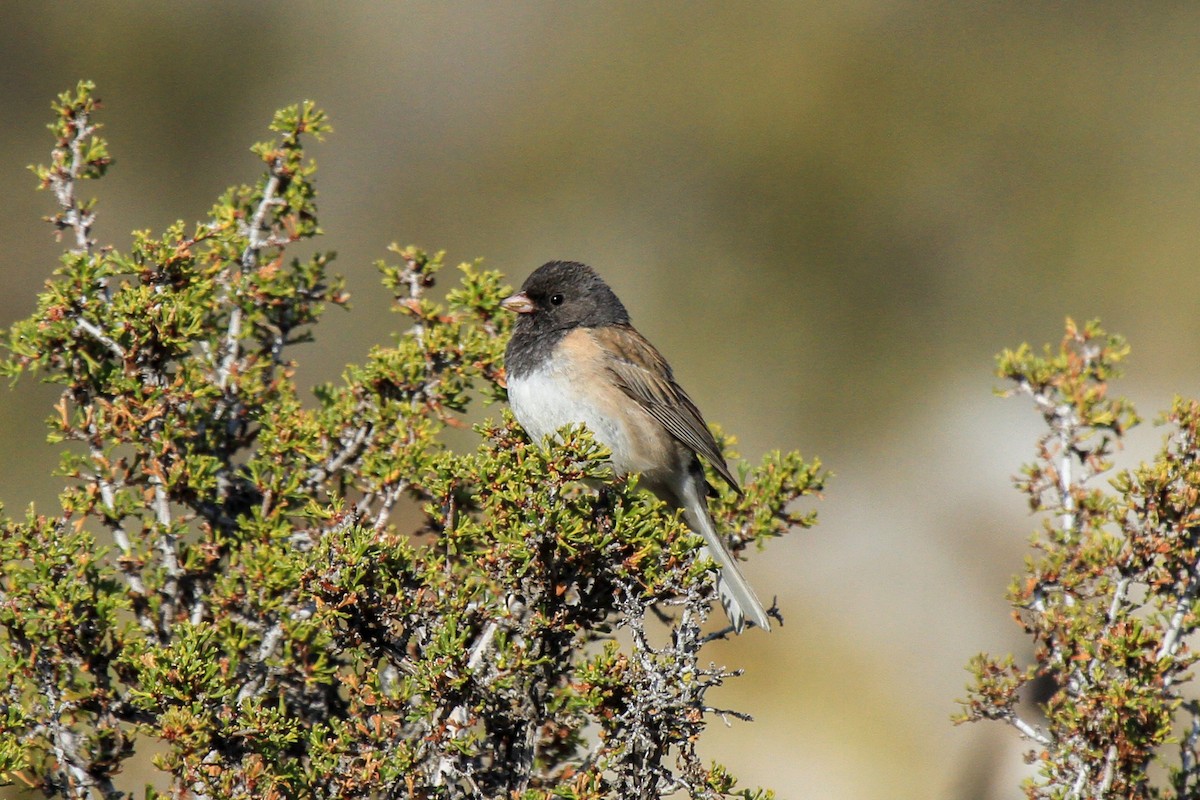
x=556 y=299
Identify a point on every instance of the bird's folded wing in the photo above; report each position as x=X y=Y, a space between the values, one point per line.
x=645 y=376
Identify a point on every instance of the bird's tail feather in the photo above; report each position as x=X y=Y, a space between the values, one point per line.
x=737 y=597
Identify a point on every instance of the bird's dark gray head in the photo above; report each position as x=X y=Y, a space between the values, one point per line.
x=562 y=295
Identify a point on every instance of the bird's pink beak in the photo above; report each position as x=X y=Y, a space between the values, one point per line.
x=518 y=303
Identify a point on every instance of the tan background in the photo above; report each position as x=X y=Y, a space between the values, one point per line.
x=828 y=215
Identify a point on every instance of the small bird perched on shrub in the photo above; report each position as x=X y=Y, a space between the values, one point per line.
x=574 y=358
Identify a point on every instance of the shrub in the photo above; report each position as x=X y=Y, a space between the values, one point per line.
x=236 y=574
x=1109 y=595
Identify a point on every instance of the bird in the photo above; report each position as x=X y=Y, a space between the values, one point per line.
x=575 y=358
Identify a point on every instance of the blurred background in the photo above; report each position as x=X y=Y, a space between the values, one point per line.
x=829 y=216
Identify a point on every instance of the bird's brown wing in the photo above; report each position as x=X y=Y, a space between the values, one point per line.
x=645 y=376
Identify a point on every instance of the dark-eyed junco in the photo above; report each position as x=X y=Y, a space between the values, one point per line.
x=574 y=358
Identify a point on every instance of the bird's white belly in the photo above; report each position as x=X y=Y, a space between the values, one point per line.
x=546 y=400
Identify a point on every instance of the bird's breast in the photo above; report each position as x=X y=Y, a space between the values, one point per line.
x=547 y=399
x=578 y=390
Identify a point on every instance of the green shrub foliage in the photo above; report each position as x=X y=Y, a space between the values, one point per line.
x=321 y=598
x=1109 y=595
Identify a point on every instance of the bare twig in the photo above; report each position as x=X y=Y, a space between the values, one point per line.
x=1028 y=731
x=108 y=497
x=91 y=329
x=457 y=719
x=1183 y=606
x=167 y=544
x=352 y=446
